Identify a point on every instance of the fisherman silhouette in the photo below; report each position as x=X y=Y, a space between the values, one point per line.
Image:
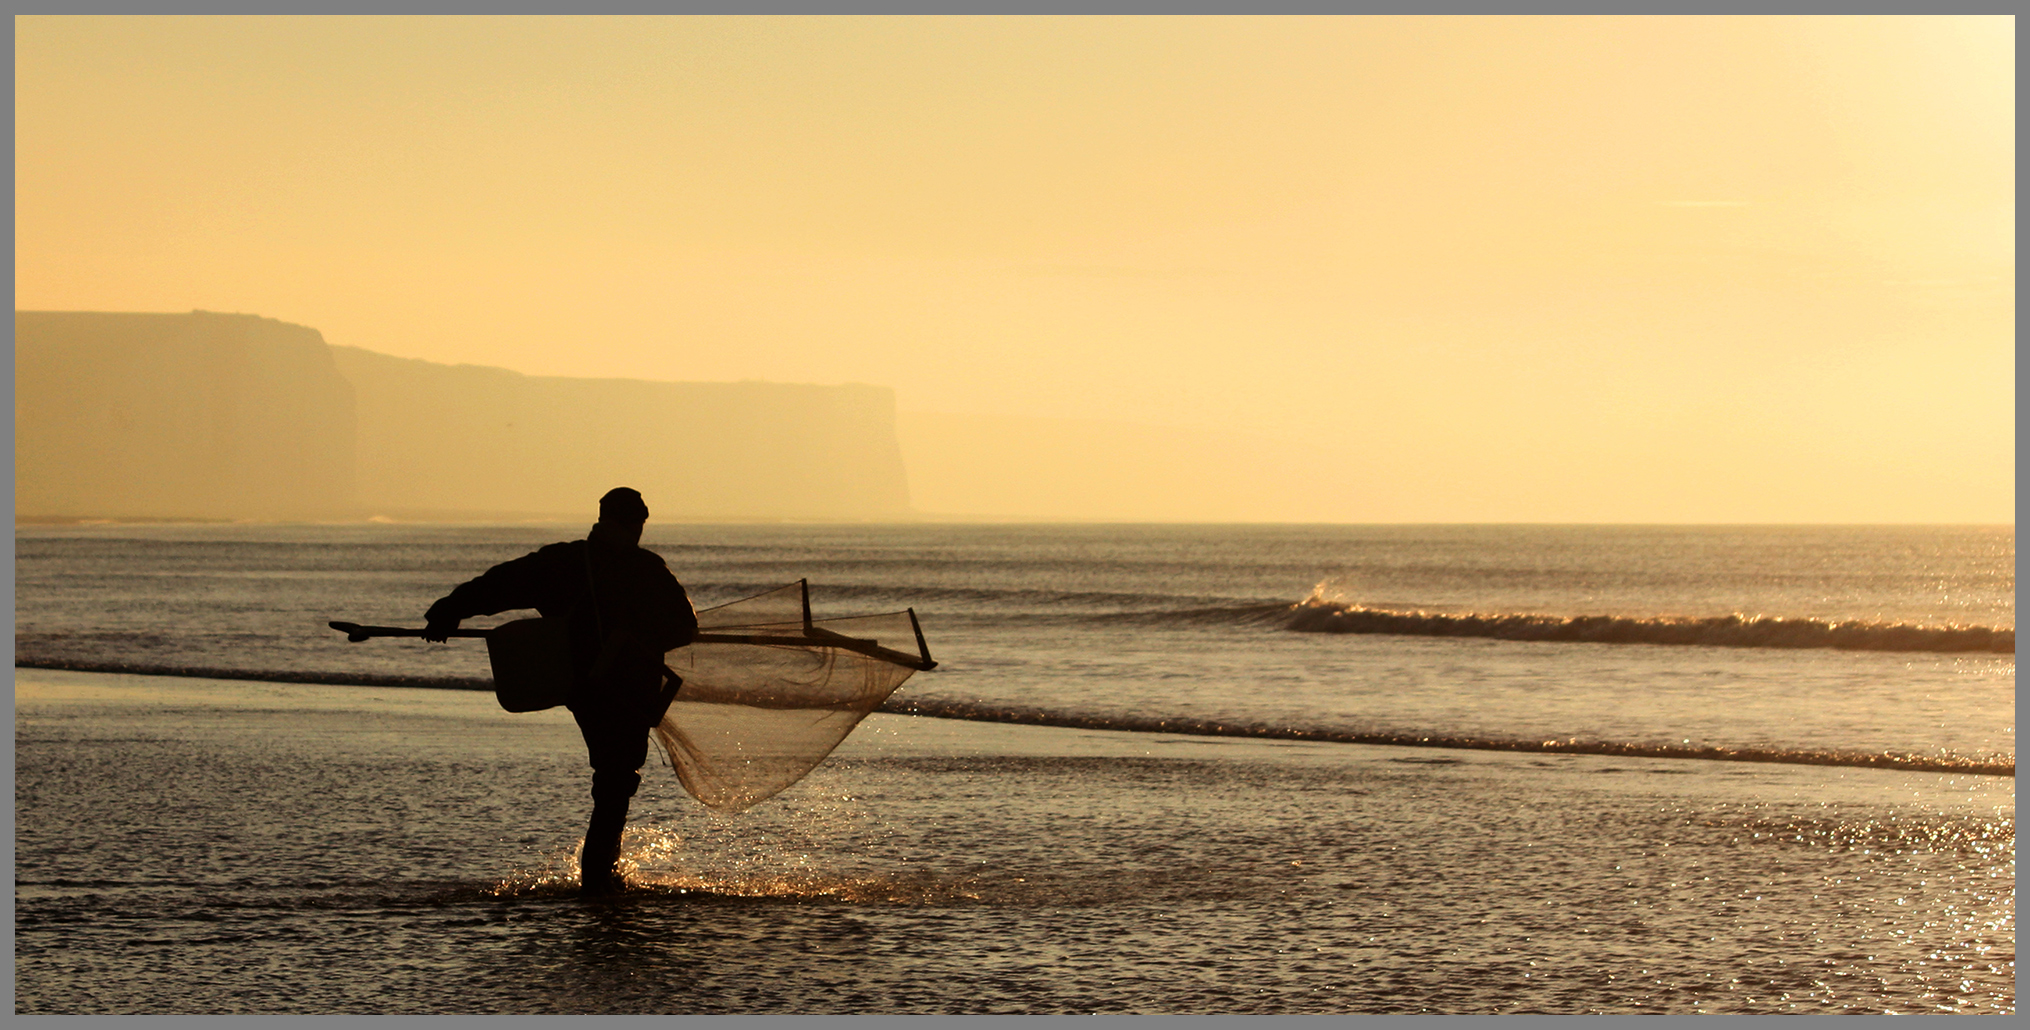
x=623 y=610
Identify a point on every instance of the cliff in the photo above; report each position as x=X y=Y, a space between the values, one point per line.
x=178 y=416
x=435 y=437
x=234 y=416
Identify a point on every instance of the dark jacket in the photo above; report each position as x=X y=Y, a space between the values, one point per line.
x=622 y=606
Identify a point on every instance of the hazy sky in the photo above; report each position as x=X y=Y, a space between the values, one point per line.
x=1463 y=268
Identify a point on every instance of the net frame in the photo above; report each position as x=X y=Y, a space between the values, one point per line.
x=769 y=691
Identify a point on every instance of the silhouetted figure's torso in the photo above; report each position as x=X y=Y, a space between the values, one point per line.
x=622 y=600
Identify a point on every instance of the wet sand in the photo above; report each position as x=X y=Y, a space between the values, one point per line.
x=189 y=846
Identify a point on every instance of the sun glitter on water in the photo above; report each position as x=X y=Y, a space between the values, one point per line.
x=656 y=860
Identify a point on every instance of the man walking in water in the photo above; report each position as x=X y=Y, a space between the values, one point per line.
x=622 y=609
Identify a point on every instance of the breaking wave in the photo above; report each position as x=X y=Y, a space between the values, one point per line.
x=1317 y=614
x=1326 y=612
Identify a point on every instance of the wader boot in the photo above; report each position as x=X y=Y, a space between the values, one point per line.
x=596 y=878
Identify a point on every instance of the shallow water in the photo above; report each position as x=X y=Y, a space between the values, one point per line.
x=1140 y=624
x=186 y=845
x=193 y=844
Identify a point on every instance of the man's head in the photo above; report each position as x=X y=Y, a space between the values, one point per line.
x=621 y=513
x=622 y=504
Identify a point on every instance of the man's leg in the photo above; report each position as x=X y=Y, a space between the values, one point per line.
x=618 y=746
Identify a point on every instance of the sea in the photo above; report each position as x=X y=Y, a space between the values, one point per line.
x=1157 y=769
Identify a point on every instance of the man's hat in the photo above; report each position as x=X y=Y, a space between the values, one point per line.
x=622 y=504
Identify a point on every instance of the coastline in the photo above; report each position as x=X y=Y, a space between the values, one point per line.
x=931 y=708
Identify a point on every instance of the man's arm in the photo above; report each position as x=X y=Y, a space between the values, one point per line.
x=683 y=621
x=666 y=620
x=512 y=584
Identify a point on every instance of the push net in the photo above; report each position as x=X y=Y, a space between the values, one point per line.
x=769 y=692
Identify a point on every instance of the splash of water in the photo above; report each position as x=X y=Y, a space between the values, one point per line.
x=814 y=851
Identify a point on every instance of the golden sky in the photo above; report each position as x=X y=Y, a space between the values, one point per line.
x=1563 y=269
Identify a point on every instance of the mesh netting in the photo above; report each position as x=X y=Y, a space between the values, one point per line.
x=769 y=692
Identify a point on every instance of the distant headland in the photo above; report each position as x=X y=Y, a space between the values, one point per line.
x=205 y=416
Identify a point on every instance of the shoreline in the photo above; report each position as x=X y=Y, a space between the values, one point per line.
x=1202 y=728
